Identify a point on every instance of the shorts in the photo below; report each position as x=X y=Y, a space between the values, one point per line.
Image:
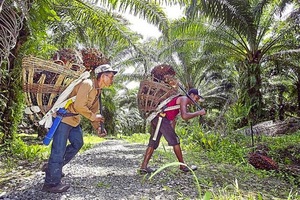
x=166 y=130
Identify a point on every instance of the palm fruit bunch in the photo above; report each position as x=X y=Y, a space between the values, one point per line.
x=67 y=55
x=164 y=75
x=62 y=57
x=92 y=58
x=162 y=72
x=161 y=86
x=260 y=161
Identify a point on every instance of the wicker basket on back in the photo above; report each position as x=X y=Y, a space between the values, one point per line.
x=151 y=94
x=155 y=89
x=44 y=80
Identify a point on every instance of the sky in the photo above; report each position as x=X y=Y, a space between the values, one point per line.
x=148 y=30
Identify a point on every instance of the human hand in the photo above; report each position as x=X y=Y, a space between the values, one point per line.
x=99 y=118
x=101 y=132
x=201 y=112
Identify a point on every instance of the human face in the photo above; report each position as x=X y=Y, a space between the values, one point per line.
x=107 y=79
x=195 y=97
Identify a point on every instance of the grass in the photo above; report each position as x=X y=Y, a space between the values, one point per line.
x=27 y=149
x=223 y=170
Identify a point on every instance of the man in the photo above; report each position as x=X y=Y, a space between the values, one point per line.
x=166 y=127
x=86 y=104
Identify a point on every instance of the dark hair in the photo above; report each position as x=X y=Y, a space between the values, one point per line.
x=193 y=91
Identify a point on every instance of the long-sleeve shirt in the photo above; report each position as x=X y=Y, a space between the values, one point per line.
x=85 y=104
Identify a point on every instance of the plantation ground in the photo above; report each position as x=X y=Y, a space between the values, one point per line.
x=108 y=171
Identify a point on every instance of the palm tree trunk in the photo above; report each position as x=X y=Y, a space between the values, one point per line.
x=250 y=80
x=298 y=95
x=10 y=114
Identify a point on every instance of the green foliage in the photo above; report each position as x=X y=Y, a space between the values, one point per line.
x=194 y=137
x=103 y=185
x=22 y=151
x=136 y=138
x=284 y=149
x=89 y=141
x=109 y=110
x=177 y=164
x=34 y=151
x=87 y=126
x=11 y=102
x=236 y=116
x=231 y=149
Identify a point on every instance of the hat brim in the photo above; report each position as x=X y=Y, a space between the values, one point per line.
x=113 y=71
x=201 y=99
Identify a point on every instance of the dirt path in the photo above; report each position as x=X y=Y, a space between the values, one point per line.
x=109 y=171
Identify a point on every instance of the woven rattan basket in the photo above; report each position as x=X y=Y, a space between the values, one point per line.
x=44 y=80
x=151 y=94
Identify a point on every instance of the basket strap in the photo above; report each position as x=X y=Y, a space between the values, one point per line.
x=47 y=119
x=154 y=114
x=62 y=100
x=172 y=108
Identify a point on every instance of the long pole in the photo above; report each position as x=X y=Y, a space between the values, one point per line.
x=194 y=102
x=101 y=111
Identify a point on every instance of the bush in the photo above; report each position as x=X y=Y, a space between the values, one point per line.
x=22 y=151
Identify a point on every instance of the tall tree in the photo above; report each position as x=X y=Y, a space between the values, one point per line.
x=245 y=31
x=57 y=24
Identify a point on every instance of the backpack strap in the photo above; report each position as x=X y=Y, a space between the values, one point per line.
x=162 y=107
x=62 y=100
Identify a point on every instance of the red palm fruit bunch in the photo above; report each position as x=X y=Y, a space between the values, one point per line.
x=61 y=57
x=162 y=72
x=92 y=58
x=260 y=161
x=67 y=55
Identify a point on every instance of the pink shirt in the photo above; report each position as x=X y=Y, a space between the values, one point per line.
x=171 y=115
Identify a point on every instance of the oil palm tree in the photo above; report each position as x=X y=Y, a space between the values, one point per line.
x=47 y=25
x=245 y=31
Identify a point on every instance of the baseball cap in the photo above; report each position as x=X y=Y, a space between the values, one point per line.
x=104 y=68
x=195 y=92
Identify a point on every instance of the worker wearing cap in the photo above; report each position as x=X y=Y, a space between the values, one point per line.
x=87 y=105
x=164 y=124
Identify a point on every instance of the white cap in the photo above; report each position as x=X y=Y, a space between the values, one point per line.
x=104 y=68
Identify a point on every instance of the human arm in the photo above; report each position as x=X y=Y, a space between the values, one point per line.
x=183 y=101
x=86 y=103
x=82 y=104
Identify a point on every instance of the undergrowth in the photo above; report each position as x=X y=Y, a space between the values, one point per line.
x=29 y=148
x=223 y=165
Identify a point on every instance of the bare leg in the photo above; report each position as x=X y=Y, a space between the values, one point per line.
x=178 y=153
x=147 y=157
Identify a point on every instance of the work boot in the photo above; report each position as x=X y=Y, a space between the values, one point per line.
x=186 y=169
x=147 y=170
x=45 y=167
x=61 y=187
